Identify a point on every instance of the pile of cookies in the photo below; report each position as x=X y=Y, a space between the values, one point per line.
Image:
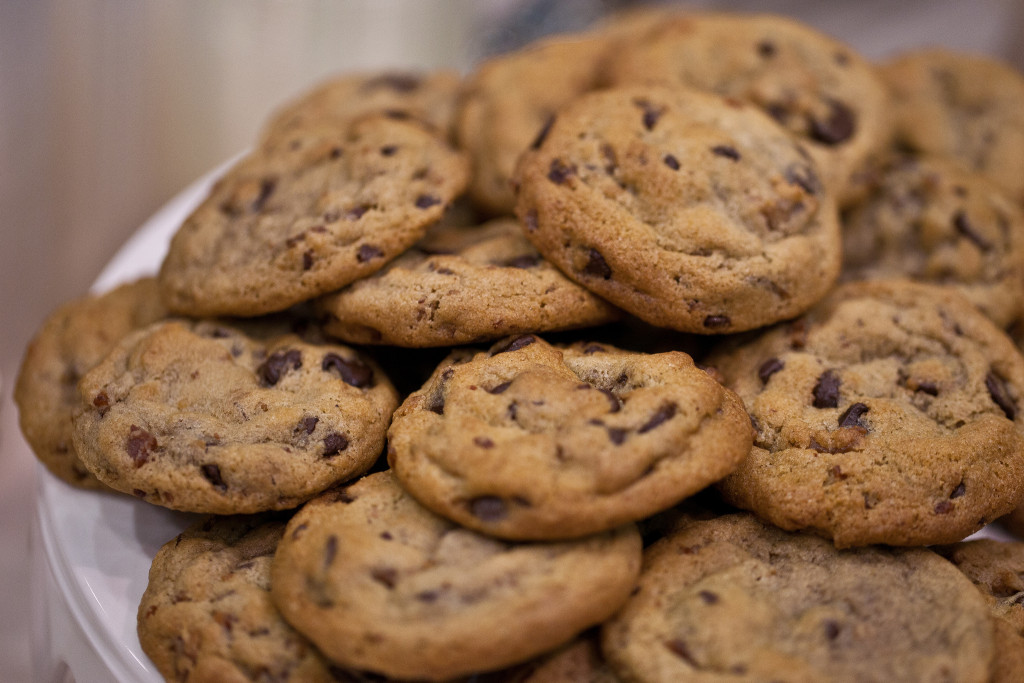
x=426 y=356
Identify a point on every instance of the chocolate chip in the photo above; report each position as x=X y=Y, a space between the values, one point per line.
x=826 y=391
x=958 y=491
x=928 y=387
x=307 y=259
x=679 y=648
x=651 y=113
x=593 y=348
x=425 y=201
x=596 y=265
x=334 y=443
x=386 y=576
x=352 y=371
x=308 y=424
x=837 y=127
x=388 y=150
x=483 y=442
x=769 y=368
x=559 y=172
x=851 y=416
x=613 y=399
x=778 y=111
x=500 y=388
x=804 y=177
x=542 y=134
x=267 y=186
x=102 y=401
x=488 y=508
x=140 y=445
x=831 y=629
x=513 y=344
x=766 y=48
x=524 y=261
x=714 y=322
x=726 y=151
x=212 y=475
x=398 y=82
x=671 y=162
x=708 y=597
x=367 y=252
x=330 y=550
x=965 y=228
x=944 y=507
x=277 y=365
x=611 y=159
x=616 y=435
x=664 y=413
x=356 y=212
x=998 y=391
x=435 y=403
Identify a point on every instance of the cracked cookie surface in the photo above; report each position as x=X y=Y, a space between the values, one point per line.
x=199 y=416
x=529 y=441
x=686 y=209
x=890 y=413
x=72 y=340
x=462 y=284
x=734 y=599
x=320 y=208
x=381 y=584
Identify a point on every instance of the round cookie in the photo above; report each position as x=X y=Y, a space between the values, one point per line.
x=890 y=413
x=963 y=106
x=462 y=284
x=508 y=101
x=381 y=584
x=686 y=209
x=821 y=90
x=529 y=441
x=207 y=615
x=72 y=340
x=428 y=97
x=931 y=220
x=322 y=208
x=198 y=416
x=733 y=599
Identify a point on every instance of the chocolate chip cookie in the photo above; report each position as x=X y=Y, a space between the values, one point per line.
x=931 y=220
x=381 y=584
x=689 y=210
x=530 y=441
x=964 y=106
x=207 y=615
x=507 y=102
x=72 y=340
x=890 y=413
x=736 y=599
x=821 y=90
x=321 y=208
x=199 y=416
x=462 y=284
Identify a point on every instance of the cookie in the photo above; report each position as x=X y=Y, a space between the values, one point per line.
x=508 y=101
x=428 y=97
x=931 y=220
x=529 y=441
x=686 y=209
x=462 y=284
x=72 y=340
x=997 y=570
x=381 y=584
x=822 y=91
x=199 y=416
x=735 y=599
x=891 y=413
x=207 y=615
x=580 y=661
x=963 y=106
x=324 y=207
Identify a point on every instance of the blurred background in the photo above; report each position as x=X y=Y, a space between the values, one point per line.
x=108 y=108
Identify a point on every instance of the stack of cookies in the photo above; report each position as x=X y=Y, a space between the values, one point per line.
x=426 y=356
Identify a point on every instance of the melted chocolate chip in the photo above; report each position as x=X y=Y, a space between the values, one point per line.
x=367 y=252
x=140 y=445
x=708 y=597
x=769 y=368
x=596 y=265
x=277 y=365
x=837 y=127
x=513 y=344
x=997 y=390
x=616 y=435
x=671 y=162
x=559 y=172
x=965 y=228
x=500 y=388
x=308 y=424
x=334 y=443
x=352 y=371
x=826 y=391
x=663 y=414
x=613 y=399
x=542 y=134
x=488 y=508
x=726 y=151
x=851 y=416
x=714 y=322
x=212 y=474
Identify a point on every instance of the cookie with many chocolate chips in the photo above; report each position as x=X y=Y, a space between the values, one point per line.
x=428 y=97
x=72 y=340
x=320 y=208
x=530 y=441
x=734 y=599
x=931 y=220
x=207 y=615
x=890 y=413
x=462 y=284
x=381 y=584
x=508 y=101
x=686 y=209
x=963 y=106
x=204 y=418
x=819 y=89
x=997 y=569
